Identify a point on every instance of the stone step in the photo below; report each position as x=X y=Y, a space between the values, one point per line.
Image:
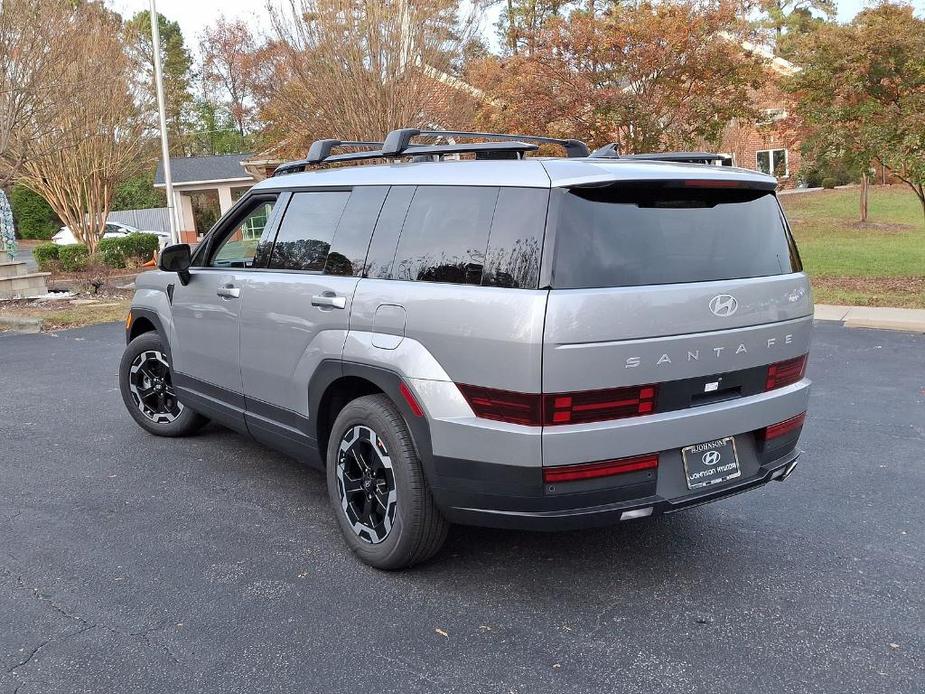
x=23 y=286
x=13 y=269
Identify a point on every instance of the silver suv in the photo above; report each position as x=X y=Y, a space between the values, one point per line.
x=501 y=340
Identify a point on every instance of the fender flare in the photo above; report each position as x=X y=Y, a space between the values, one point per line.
x=151 y=316
x=388 y=382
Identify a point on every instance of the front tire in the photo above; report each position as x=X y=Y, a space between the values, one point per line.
x=147 y=389
x=377 y=488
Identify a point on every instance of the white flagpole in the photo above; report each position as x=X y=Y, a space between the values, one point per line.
x=162 y=113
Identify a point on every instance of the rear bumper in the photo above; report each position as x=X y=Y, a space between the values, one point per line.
x=633 y=499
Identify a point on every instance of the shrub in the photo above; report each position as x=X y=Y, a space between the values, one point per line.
x=46 y=256
x=139 y=247
x=33 y=216
x=829 y=182
x=111 y=252
x=74 y=257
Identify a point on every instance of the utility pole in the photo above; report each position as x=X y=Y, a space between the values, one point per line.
x=162 y=113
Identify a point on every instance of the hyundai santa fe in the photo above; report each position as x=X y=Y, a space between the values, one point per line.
x=463 y=333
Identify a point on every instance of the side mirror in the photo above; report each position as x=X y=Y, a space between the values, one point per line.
x=176 y=258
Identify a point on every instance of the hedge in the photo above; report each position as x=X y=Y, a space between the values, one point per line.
x=73 y=257
x=46 y=255
x=139 y=248
x=111 y=252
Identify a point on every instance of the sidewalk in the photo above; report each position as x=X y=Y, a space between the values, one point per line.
x=907 y=319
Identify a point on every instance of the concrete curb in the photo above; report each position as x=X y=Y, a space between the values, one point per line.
x=19 y=324
x=906 y=319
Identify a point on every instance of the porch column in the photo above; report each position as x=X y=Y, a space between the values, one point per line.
x=224 y=199
x=184 y=205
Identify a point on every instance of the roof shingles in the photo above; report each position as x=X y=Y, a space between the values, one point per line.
x=222 y=167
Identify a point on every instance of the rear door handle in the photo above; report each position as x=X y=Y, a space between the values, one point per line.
x=229 y=291
x=329 y=300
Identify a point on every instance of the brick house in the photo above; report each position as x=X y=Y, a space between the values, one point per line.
x=771 y=145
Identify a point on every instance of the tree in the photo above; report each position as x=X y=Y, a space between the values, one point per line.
x=176 y=65
x=861 y=93
x=649 y=76
x=138 y=193
x=88 y=147
x=339 y=68
x=228 y=51
x=784 y=15
x=35 y=43
x=34 y=217
x=521 y=20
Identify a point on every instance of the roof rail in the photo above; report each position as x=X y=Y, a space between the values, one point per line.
x=612 y=151
x=399 y=140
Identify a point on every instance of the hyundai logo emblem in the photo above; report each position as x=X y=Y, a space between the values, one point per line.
x=710 y=458
x=723 y=305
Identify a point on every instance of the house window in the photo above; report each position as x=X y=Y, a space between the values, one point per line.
x=773 y=162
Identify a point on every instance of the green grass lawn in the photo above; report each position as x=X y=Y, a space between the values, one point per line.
x=880 y=263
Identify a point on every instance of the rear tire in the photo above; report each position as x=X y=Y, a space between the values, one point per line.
x=377 y=488
x=147 y=389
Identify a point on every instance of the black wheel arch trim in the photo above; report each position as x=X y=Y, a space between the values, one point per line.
x=389 y=382
x=151 y=316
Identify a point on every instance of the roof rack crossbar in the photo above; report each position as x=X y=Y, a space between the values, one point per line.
x=399 y=140
x=321 y=149
x=436 y=150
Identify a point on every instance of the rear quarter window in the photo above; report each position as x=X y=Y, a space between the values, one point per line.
x=662 y=233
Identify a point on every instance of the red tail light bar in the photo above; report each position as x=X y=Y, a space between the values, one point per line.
x=550 y=409
x=604 y=468
x=783 y=373
x=782 y=428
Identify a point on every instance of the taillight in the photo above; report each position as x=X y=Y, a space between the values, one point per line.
x=504 y=405
x=599 y=405
x=604 y=468
x=782 y=428
x=783 y=373
x=582 y=407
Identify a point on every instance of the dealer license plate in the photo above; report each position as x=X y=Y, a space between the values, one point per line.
x=713 y=462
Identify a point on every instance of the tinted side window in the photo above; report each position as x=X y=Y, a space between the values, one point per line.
x=382 y=247
x=515 y=244
x=445 y=235
x=351 y=241
x=306 y=231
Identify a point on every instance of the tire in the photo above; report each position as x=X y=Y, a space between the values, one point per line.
x=155 y=408
x=370 y=454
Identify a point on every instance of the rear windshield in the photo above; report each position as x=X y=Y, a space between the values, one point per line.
x=663 y=233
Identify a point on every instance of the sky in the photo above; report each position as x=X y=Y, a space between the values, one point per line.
x=194 y=15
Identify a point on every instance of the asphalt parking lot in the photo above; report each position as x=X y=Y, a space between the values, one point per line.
x=209 y=564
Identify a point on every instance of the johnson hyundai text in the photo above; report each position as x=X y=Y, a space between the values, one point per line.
x=457 y=332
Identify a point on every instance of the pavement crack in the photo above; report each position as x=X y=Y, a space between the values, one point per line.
x=57 y=637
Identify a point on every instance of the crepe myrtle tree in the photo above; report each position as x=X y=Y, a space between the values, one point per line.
x=89 y=144
x=861 y=92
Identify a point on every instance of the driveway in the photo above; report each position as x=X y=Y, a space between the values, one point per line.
x=209 y=564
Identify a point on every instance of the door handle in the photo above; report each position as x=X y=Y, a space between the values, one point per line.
x=229 y=291
x=329 y=300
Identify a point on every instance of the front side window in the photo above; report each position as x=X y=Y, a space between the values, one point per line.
x=773 y=162
x=306 y=231
x=239 y=247
x=445 y=235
